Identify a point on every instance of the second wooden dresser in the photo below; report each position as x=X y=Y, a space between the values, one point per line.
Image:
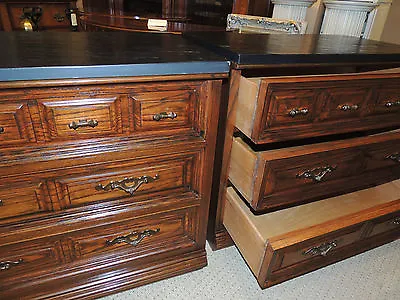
x=311 y=150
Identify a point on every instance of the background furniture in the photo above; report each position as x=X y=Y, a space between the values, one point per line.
x=182 y=15
x=296 y=135
x=54 y=14
x=107 y=152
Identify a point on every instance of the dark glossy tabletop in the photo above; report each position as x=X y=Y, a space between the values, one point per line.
x=57 y=55
x=265 y=49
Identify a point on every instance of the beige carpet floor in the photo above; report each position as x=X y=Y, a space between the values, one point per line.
x=373 y=275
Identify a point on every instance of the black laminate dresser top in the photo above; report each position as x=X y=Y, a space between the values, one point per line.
x=272 y=49
x=55 y=55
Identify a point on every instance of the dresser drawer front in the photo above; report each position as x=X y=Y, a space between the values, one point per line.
x=103 y=182
x=388 y=101
x=164 y=110
x=22 y=198
x=123 y=181
x=295 y=257
x=15 y=123
x=283 y=108
x=296 y=175
x=135 y=238
x=81 y=118
x=27 y=258
x=287 y=243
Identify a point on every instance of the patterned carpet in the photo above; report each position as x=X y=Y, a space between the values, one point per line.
x=369 y=276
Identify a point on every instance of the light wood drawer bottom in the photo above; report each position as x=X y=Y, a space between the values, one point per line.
x=287 y=243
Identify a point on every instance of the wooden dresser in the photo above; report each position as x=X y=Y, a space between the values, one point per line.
x=54 y=14
x=107 y=154
x=311 y=155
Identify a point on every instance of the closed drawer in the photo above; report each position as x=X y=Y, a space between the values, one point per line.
x=276 y=178
x=20 y=198
x=138 y=237
x=284 y=244
x=81 y=118
x=108 y=180
x=15 y=123
x=282 y=108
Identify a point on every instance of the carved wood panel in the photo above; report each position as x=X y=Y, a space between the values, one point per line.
x=81 y=118
x=15 y=123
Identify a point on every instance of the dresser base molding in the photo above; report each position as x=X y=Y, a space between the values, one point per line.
x=107 y=279
x=221 y=239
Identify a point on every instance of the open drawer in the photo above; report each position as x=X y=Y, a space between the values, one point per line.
x=284 y=244
x=271 y=109
x=290 y=176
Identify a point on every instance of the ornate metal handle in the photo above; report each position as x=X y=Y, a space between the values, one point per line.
x=298 y=111
x=316 y=174
x=164 y=115
x=395 y=157
x=59 y=18
x=322 y=249
x=396 y=221
x=133 y=238
x=390 y=104
x=348 y=107
x=122 y=184
x=1 y=129
x=83 y=123
x=6 y=265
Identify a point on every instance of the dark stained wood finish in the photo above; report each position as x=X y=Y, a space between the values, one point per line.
x=355 y=164
x=128 y=110
x=269 y=62
x=53 y=14
x=323 y=97
x=285 y=254
x=54 y=218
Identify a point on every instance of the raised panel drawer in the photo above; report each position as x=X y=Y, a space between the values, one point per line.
x=21 y=198
x=276 y=178
x=15 y=123
x=81 y=118
x=161 y=175
x=164 y=110
x=137 y=237
x=286 y=108
x=105 y=181
x=284 y=244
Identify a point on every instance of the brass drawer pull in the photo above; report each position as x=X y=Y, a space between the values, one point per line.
x=348 y=107
x=322 y=249
x=83 y=123
x=390 y=104
x=133 y=238
x=1 y=129
x=316 y=174
x=396 y=221
x=395 y=157
x=164 y=115
x=6 y=265
x=122 y=184
x=296 y=111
